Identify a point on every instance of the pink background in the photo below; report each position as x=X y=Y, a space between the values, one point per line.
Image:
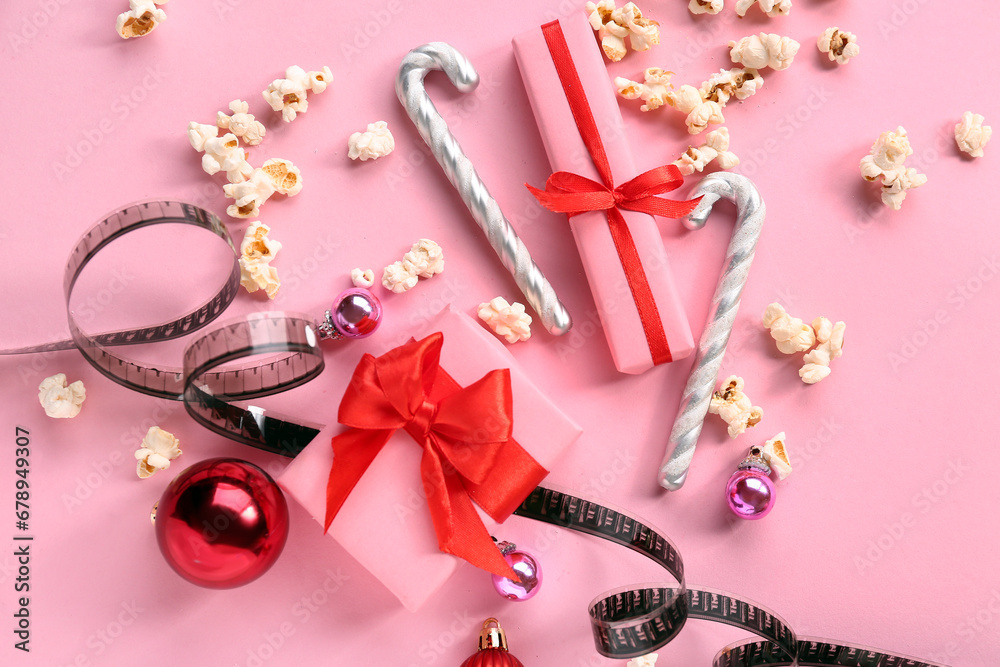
x=884 y=535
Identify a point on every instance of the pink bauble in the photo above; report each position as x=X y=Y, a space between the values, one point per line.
x=356 y=313
x=221 y=523
x=750 y=494
x=529 y=577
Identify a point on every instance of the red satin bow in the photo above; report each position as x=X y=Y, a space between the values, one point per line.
x=465 y=434
x=566 y=192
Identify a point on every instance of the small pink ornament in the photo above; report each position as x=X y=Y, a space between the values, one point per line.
x=356 y=313
x=750 y=491
x=528 y=570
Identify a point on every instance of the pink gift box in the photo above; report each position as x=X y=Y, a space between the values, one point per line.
x=385 y=523
x=567 y=152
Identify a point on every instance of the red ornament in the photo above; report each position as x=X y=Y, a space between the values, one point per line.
x=221 y=523
x=492 y=648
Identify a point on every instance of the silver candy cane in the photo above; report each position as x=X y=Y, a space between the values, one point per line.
x=722 y=314
x=459 y=170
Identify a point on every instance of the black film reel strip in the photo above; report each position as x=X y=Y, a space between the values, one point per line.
x=208 y=395
x=631 y=622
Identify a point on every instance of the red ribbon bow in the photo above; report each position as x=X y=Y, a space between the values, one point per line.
x=566 y=192
x=570 y=193
x=465 y=434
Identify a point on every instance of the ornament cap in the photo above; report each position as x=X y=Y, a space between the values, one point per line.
x=492 y=637
x=755 y=461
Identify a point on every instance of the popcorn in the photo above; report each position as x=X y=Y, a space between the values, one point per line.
x=716 y=147
x=398 y=278
x=971 y=135
x=895 y=184
x=506 y=319
x=199 y=134
x=290 y=95
x=734 y=406
x=59 y=400
x=141 y=19
x=242 y=123
x=770 y=7
x=256 y=253
x=285 y=176
x=702 y=7
x=650 y=659
x=764 y=50
x=613 y=25
x=425 y=258
x=221 y=153
x=653 y=91
x=777 y=456
x=700 y=112
x=831 y=345
x=703 y=106
x=155 y=452
x=889 y=151
x=839 y=45
x=361 y=278
x=276 y=175
x=645 y=33
x=886 y=161
x=376 y=142
x=790 y=333
x=738 y=82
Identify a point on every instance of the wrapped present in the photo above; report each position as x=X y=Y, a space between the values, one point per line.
x=611 y=205
x=433 y=426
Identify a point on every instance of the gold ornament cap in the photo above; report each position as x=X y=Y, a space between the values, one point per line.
x=492 y=637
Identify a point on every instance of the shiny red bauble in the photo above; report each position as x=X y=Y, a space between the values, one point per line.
x=492 y=657
x=492 y=648
x=221 y=523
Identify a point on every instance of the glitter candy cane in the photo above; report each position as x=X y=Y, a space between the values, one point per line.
x=722 y=314
x=459 y=170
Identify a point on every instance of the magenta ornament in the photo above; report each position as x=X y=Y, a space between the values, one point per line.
x=750 y=491
x=221 y=523
x=529 y=574
x=356 y=313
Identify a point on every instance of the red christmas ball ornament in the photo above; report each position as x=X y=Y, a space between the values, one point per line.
x=492 y=648
x=221 y=523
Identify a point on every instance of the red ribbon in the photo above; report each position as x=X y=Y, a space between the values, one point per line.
x=570 y=193
x=469 y=452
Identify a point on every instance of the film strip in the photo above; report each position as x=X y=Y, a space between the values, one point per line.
x=631 y=622
x=208 y=395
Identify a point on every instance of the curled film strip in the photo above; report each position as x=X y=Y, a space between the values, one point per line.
x=631 y=622
x=208 y=394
